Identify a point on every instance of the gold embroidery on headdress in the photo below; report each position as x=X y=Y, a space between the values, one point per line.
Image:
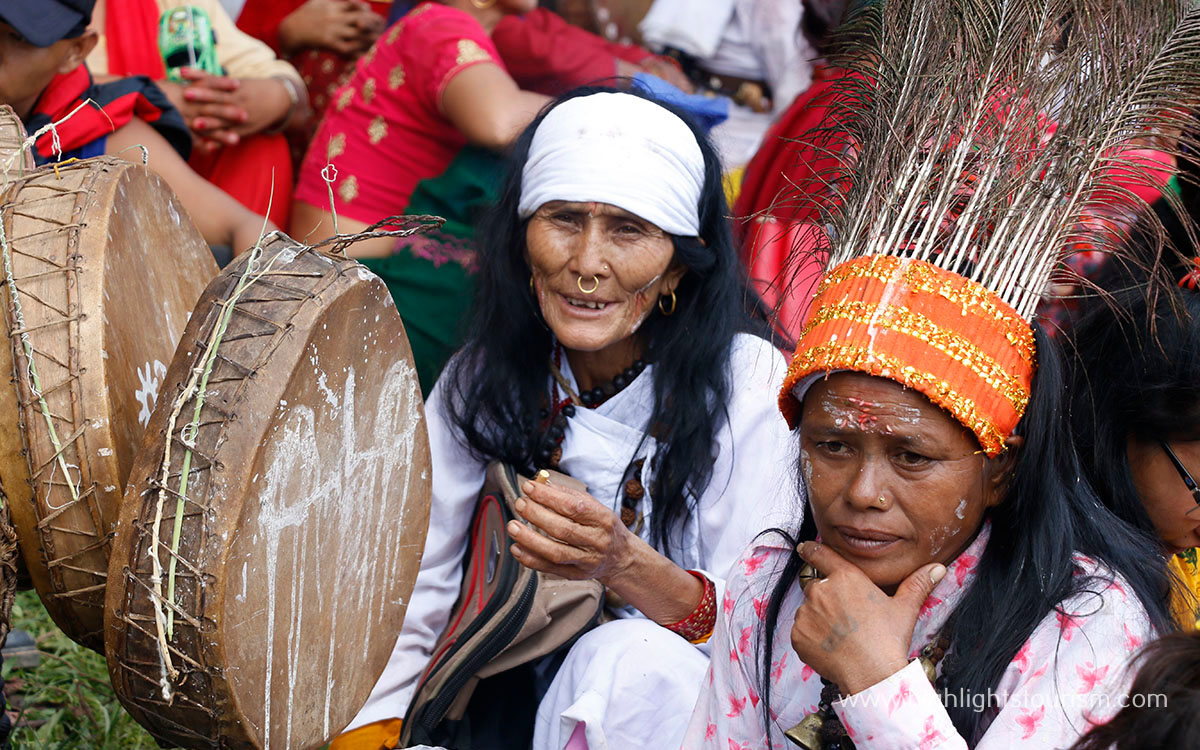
x=396 y=77
x=327 y=66
x=348 y=190
x=395 y=32
x=337 y=146
x=924 y=278
x=377 y=130
x=469 y=51
x=864 y=359
x=954 y=345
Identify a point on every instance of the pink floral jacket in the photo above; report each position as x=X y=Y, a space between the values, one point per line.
x=1069 y=674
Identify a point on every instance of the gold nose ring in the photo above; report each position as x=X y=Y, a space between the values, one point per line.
x=595 y=285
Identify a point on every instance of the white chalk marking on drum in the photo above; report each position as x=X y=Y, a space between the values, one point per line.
x=330 y=398
x=342 y=498
x=150 y=377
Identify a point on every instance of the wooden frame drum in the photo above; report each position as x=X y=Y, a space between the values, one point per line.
x=275 y=517
x=101 y=267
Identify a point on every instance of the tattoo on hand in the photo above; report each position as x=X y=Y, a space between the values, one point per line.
x=841 y=630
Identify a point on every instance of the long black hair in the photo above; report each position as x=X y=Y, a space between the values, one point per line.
x=1136 y=374
x=498 y=384
x=1026 y=570
x=1164 y=706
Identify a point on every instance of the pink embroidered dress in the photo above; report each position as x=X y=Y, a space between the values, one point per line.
x=1069 y=673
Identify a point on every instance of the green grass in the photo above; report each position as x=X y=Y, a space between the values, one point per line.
x=67 y=701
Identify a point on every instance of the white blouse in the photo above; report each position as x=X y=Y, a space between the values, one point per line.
x=1070 y=673
x=754 y=486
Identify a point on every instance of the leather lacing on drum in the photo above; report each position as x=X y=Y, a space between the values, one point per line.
x=182 y=679
x=59 y=461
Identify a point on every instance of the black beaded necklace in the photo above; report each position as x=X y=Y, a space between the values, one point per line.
x=554 y=429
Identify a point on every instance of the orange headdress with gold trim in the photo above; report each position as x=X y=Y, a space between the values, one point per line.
x=974 y=140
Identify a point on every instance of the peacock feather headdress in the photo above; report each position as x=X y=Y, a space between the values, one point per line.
x=975 y=142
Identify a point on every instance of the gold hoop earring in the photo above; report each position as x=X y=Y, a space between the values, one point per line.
x=595 y=285
x=532 y=288
x=663 y=309
x=483 y=5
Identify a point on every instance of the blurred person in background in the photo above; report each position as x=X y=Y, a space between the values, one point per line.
x=236 y=99
x=43 y=78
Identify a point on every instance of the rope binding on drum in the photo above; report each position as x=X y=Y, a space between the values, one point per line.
x=18 y=311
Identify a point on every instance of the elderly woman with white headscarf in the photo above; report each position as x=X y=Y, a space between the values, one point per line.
x=615 y=340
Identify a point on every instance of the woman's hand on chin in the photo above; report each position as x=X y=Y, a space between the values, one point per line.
x=848 y=629
x=582 y=539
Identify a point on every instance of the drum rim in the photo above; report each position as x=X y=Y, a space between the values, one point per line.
x=341 y=276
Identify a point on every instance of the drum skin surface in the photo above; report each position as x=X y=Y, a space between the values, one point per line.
x=305 y=516
x=107 y=266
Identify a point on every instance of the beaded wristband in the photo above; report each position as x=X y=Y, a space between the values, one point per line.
x=698 y=626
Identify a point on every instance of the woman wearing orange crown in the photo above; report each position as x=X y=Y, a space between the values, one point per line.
x=952 y=582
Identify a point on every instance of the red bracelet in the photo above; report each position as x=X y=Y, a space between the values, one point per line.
x=698 y=626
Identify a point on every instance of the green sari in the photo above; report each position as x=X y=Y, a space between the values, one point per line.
x=431 y=275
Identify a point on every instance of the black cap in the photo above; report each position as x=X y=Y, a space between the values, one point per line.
x=44 y=22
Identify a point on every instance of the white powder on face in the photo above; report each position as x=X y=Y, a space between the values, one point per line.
x=938 y=538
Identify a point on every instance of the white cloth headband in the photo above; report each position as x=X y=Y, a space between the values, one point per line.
x=619 y=149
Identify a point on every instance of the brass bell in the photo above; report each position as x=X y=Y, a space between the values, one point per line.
x=807 y=734
x=808 y=574
x=930 y=669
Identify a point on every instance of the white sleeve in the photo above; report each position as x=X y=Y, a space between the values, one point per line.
x=754 y=485
x=1070 y=674
x=778 y=42
x=457 y=479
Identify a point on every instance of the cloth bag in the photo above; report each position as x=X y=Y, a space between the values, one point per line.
x=506 y=615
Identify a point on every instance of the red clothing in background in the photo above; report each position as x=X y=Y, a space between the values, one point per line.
x=131 y=34
x=544 y=53
x=257 y=172
x=322 y=70
x=779 y=205
x=384 y=131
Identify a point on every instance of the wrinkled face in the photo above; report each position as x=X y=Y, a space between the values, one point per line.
x=574 y=247
x=894 y=482
x=1168 y=501
x=25 y=70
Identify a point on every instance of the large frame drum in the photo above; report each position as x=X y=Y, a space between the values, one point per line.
x=101 y=268
x=12 y=137
x=275 y=517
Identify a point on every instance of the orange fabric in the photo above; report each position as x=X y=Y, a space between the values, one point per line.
x=929 y=329
x=374 y=736
x=245 y=172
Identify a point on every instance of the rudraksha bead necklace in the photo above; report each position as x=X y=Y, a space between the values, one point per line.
x=562 y=408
